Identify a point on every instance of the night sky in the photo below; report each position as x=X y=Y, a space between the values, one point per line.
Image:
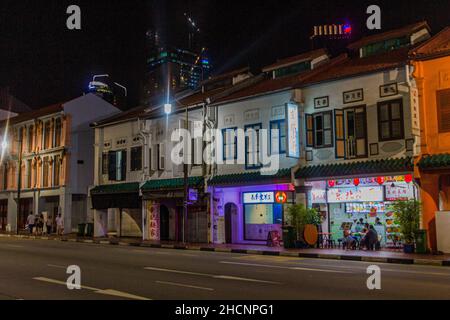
x=43 y=63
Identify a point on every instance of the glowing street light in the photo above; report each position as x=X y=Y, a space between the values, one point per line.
x=168 y=108
x=4 y=144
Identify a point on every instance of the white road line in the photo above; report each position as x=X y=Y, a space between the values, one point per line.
x=210 y=275
x=280 y=267
x=109 y=292
x=183 y=285
x=12 y=245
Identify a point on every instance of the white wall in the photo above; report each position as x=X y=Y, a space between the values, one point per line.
x=371 y=84
x=233 y=115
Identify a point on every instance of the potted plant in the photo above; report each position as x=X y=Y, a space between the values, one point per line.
x=407 y=215
x=298 y=218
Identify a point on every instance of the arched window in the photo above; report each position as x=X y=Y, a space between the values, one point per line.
x=58 y=132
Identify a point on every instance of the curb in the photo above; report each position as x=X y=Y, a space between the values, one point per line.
x=403 y=261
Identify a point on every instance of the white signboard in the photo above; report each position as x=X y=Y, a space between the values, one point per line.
x=399 y=192
x=318 y=196
x=357 y=194
x=293 y=131
x=258 y=197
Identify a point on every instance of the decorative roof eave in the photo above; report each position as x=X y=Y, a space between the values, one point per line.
x=120 y=188
x=171 y=184
x=355 y=169
x=283 y=176
x=435 y=163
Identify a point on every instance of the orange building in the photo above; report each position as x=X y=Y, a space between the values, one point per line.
x=54 y=148
x=431 y=62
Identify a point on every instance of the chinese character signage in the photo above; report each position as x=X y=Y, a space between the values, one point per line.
x=415 y=117
x=258 y=197
x=293 y=131
x=357 y=194
x=153 y=221
x=402 y=192
x=318 y=196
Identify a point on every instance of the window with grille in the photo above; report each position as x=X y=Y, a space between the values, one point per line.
x=443 y=105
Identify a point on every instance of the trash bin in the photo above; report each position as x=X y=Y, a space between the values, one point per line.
x=289 y=237
x=90 y=230
x=421 y=241
x=81 y=229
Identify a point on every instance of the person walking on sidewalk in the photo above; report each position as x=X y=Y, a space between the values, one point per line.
x=30 y=222
x=59 y=225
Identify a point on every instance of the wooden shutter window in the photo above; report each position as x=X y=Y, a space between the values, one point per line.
x=309 y=130
x=340 y=134
x=443 y=104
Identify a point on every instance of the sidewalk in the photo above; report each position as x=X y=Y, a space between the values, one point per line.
x=383 y=256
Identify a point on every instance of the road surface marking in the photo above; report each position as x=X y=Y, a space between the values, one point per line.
x=184 y=285
x=280 y=267
x=109 y=292
x=210 y=275
x=56 y=266
x=63 y=283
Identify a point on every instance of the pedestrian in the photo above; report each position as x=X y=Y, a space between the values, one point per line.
x=40 y=225
x=59 y=225
x=30 y=222
x=49 y=225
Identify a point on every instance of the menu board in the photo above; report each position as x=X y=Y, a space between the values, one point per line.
x=356 y=194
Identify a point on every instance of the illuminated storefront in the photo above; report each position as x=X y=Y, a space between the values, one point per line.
x=247 y=214
x=351 y=203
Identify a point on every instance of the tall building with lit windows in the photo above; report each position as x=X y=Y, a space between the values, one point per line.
x=173 y=68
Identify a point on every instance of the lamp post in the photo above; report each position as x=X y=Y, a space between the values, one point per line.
x=168 y=111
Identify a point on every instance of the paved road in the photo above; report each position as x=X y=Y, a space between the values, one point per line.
x=36 y=269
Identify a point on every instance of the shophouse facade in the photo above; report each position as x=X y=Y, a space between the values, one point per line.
x=362 y=132
x=138 y=188
x=431 y=63
x=54 y=147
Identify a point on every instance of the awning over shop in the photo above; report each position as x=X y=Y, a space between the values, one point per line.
x=172 y=184
x=122 y=195
x=435 y=162
x=344 y=170
x=282 y=176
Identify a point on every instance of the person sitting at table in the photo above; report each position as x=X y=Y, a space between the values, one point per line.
x=370 y=239
x=349 y=241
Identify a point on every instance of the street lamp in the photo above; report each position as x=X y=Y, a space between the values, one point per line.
x=168 y=108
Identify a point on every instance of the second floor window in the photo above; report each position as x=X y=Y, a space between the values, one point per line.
x=56 y=170
x=136 y=159
x=117 y=165
x=443 y=105
x=229 y=144
x=46 y=173
x=252 y=146
x=278 y=137
x=319 y=130
x=29 y=173
x=390 y=120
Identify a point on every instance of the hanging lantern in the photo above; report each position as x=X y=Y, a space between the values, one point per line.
x=356 y=182
x=380 y=180
x=408 y=178
x=331 y=183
